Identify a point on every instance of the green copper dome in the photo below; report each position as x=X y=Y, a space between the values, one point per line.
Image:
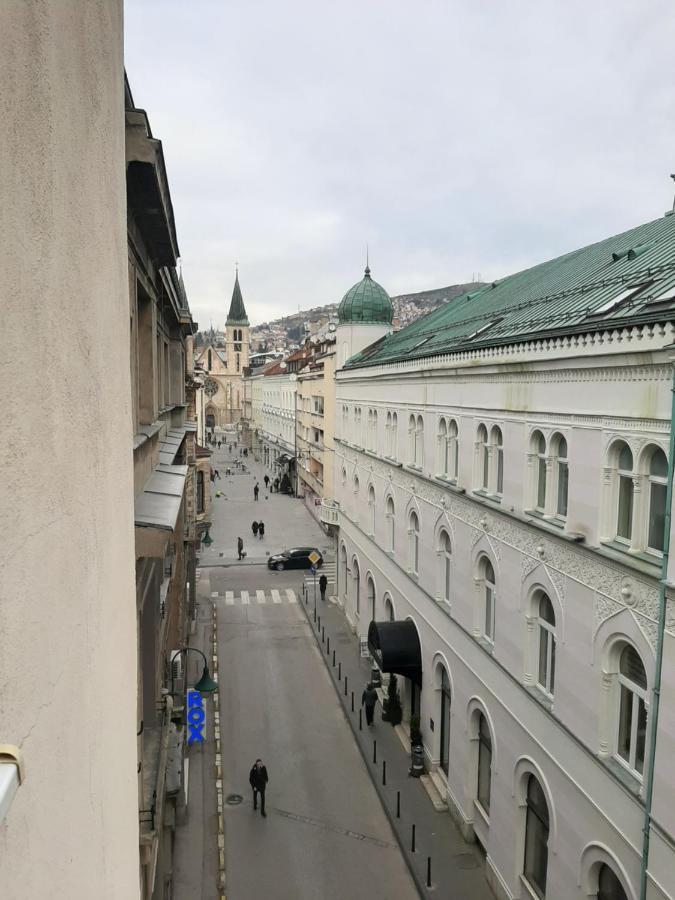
x=366 y=302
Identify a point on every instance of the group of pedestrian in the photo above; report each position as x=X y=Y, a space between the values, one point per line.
x=258 y=529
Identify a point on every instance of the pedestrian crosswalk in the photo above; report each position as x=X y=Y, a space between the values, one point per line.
x=272 y=597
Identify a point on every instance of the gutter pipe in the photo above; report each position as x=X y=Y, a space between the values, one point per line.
x=656 y=688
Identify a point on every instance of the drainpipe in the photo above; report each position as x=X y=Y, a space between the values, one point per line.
x=656 y=689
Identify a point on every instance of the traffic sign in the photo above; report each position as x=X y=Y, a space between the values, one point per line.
x=314 y=557
x=312 y=569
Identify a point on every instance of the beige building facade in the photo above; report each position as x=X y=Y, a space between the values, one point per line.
x=315 y=424
x=68 y=661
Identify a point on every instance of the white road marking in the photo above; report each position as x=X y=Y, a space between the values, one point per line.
x=291 y=596
x=229 y=598
x=244 y=598
x=260 y=596
x=276 y=597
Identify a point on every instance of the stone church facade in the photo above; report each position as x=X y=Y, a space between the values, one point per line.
x=224 y=367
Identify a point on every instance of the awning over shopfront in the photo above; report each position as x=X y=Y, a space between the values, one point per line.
x=396 y=648
x=170 y=445
x=157 y=508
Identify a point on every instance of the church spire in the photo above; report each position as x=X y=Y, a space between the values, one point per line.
x=237 y=314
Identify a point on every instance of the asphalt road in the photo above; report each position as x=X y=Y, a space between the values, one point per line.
x=325 y=835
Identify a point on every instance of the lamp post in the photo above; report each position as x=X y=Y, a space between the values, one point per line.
x=206 y=684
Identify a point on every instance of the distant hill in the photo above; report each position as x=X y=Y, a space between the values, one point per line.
x=290 y=329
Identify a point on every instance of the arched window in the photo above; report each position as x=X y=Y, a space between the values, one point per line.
x=658 y=479
x=609 y=886
x=484 y=764
x=419 y=442
x=388 y=435
x=632 y=714
x=536 y=837
x=356 y=484
x=442 y=439
x=624 y=505
x=344 y=475
x=356 y=574
x=388 y=609
x=391 y=524
x=561 y=474
x=539 y=442
x=373 y=435
x=445 y=558
x=394 y=436
x=489 y=597
x=483 y=457
x=371 y=598
x=414 y=535
x=453 y=449
x=412 y=441
x=446 y=703
x=497 y=442
x=546 y=623
x=371 y=509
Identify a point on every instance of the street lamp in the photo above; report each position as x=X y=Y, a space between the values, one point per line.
x=206 y=684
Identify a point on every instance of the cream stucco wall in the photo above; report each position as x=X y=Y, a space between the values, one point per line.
x=67 y=602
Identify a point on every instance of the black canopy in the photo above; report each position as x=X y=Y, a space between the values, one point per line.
x=396 y=648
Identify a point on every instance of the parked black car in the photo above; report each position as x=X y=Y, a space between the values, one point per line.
x=297 y=558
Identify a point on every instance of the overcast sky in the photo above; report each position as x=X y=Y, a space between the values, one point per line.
x=452 y=137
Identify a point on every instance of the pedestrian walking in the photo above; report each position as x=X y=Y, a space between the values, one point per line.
x=219 y=445
x=261 y=530
x=258 y=780
x=266 y=479
x=256 y=491
x=240 y=548
x=217 y=473
x=276 y=485
x=369 y=699
x=323 y=584
x=254 y=529
x=213 y=475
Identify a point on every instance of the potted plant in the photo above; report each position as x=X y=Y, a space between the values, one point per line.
x=391 y=708
x=416 y=748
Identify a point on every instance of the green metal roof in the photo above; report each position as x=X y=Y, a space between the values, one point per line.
x=367 y=302
x=624 y=280
x=237 y=314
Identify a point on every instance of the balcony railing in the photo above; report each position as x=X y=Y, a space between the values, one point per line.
x=330 y=512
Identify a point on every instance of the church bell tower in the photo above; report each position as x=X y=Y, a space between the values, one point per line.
x=237 y=337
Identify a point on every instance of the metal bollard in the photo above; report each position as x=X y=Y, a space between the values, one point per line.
x=339 y=671
x=375 y=752
x=360 y=720
x=333 y=658
x=398 y=804
x=428 y=871
x=318 y=627
x=345 y=685
x=323 y=635
x=384 y=772
x=352 y=701
x=413 y=839
x=328 y=646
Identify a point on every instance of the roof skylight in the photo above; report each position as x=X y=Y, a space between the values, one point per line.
x=626 y=294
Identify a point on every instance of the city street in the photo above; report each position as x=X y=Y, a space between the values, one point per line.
x=325 y=835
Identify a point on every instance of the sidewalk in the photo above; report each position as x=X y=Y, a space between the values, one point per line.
x=456 y=867
x=288 y=523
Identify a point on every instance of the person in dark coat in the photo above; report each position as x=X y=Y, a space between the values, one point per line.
x=240 y=548
x=256 y=490
x=258 y=780
x=261 y=530
x=254 y=529
x=266 y=479
x=323 y=584
x=369 y=699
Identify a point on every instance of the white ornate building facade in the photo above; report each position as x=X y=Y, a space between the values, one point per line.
x=501 y=472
